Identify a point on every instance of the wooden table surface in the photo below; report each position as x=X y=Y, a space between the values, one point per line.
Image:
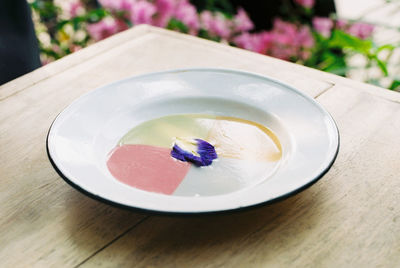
x=350 y=218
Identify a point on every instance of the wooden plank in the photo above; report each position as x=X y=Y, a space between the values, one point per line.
x=44 y=222
x=348 y=219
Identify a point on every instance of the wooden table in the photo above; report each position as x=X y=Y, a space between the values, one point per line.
x=350 y=218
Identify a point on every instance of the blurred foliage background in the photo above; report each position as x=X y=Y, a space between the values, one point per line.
x=301 y=31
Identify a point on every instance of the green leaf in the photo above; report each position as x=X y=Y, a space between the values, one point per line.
x=92 y=16
x=46 y=9
x=223 y=6
x=382 y=65
x=333 y=62
x=340 y=39
x=395 y=85
x=204 y=34
x=385 y=47
x=175 y=24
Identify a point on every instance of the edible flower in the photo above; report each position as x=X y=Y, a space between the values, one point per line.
x=206 y=153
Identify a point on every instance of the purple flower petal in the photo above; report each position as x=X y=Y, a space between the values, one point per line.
x=178 y=153
x=204 y=149
x=196 y=160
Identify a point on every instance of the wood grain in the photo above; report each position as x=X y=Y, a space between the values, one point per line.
x=350 y=218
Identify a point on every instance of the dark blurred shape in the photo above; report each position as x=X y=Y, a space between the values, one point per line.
x=19 y=51
x=263 y=12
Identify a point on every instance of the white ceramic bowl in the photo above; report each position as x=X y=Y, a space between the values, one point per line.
x=82 y=135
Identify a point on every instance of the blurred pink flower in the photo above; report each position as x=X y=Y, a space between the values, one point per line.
x=341 y=24
x=56 y=48
x=242 y=21
x=283 y=35
x=74 y=48
x=142 y=12
x=323 y=26
x=361 y=30
x=305 y=42
x=285 y=41
x=117 y=5
x=257 y=42
x=187 y=13
x=103 y=29
x=215 y=24
x=305 y=3
x=305 y=38
x=121 y=25
x=76 y=8
x=165 y=9
x=46 y=61
x=284 y=28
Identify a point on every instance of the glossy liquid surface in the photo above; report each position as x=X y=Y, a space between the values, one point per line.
x=248 y=153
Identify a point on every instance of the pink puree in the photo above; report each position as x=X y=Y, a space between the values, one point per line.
x=148 y=168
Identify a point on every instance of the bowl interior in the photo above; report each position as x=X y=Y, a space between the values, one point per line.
x=82 y=136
